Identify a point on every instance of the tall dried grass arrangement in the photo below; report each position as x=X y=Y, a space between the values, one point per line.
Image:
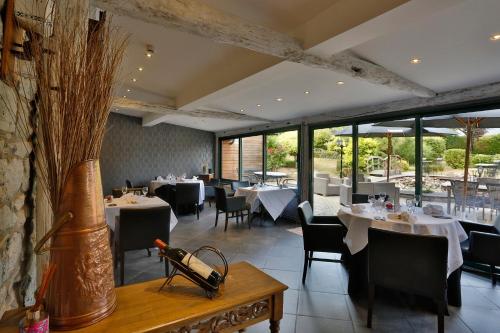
x=74 y=73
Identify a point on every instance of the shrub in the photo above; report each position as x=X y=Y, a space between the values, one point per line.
x=482 y=158
x=434 y=147
x=455 y=141
x=405 y=166
x=455 y=158
x=405 y=147
x=488 y=144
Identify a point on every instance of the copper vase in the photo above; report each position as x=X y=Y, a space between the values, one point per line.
x=82 y=291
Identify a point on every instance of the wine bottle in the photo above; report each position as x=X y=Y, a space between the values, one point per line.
x=197 y=269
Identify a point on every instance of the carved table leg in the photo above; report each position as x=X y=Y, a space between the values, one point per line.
x=274 y=326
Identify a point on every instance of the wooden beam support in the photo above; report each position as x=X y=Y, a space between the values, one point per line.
x=161 y=112
x=193 y=16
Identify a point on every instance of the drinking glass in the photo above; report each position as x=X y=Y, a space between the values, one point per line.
x=371 y=199
x=124 y=190
x=418 y=200
x=145 y=190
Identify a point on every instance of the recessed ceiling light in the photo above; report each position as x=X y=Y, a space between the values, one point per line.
x=242 y=110
x=140 y=69
x=415 y=61
x=340 y=83
x=134 y=80
x=128 y=90
x=279 y=99
x=307 y=92
x=495 y=37
x=259 y=105
x=149 y=51
x=124 y=96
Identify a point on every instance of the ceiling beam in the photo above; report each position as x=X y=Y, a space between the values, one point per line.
x=193 y=16
x=160 y=112
x=459 y=98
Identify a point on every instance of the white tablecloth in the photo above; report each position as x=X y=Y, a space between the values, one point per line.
x=154 y=184
x=274 y=199
x=112 y=212
x=357 y=231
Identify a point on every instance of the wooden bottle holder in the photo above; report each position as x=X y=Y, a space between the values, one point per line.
x=181 y=270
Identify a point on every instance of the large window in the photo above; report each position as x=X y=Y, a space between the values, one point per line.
x=332 y=167
x=230 y=152
x=282 y=150
x=251 y=157
x=270 y=157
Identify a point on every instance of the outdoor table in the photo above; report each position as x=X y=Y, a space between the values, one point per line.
x=481 y=188
x=356 y=240
x=273 y=174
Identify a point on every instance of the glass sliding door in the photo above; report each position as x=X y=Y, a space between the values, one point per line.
x=472 y=134
x=386 y=159
x=252 y=158
x=230 y=154
x=281 y=158
x=332 y=168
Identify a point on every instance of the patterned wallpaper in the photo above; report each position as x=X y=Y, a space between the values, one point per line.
x=138 y=153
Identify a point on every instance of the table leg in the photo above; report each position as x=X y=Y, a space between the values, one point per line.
x=274 y=326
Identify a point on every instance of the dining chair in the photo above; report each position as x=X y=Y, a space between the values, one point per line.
x=233 y=207
x=482 y=247
x=210 y=191
x=235 y=185
x=166 y=193
x=472 y=199
x=415 y=264
x=493 y=198
x=321 y=234
x=137 y=229
x=187 y=194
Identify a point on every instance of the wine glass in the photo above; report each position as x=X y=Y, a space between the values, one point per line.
x=145 y=190
x=418 y=200
x=371 y=199
x=124 y=190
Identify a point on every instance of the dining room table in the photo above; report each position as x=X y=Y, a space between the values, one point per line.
x=154 y=184
x=273 y=198
x=365 y=217
x=112 y=208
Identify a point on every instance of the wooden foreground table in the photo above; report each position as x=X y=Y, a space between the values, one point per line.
x=247 y=297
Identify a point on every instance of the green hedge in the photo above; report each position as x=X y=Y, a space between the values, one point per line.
x=482 y=158
x=455 y=158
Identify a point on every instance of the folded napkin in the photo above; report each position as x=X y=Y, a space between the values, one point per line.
x=402 y=217
x=434 y=210
x=358 y=208
x=129 y=198
x=160 y=178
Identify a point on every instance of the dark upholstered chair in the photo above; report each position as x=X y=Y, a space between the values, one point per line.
x=187 y=194
x=483 y=245
x=409 y=263
x=116 y=192
x=232 y=206
x=138 y=228
x=235 y=185
x=321 y=234
x=166 y=193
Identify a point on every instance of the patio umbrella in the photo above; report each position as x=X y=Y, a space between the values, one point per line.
x=468 y=121
x=368 y=130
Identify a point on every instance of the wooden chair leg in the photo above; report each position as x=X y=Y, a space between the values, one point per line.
x=310 y=257
x=249 y=220
x=440 y=316
x=371 y=297
x=122 y=267
x=304 y=272
x=167 y=268
x=225 y=226
x=216 y=216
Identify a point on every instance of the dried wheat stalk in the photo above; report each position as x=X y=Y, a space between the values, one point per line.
x=74 y=82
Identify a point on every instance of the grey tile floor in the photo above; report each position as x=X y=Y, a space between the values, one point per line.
x=322 y=304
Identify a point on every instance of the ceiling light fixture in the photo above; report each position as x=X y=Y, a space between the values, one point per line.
x=279 y=99
x=140 y=69
x=307 y=92
x=128 y=90
x=124 y=96
x=259 y=105
x=149 y=51
x=242 y=110
x=415 y=61
x=134 y=80
x=495 y=37
x=340 y=83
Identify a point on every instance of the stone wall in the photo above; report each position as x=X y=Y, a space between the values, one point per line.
x=17 y=264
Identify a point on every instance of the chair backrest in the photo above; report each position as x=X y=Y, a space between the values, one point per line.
x=322 y=175
x=166 y=193
x=306 y=214
x=187 y=193
x=128 y=183
x=365 y=188
x=407 y=262
x=497 y=223
x=140 y=227
x=116 y=192
x=358 y=198
x=457 y=187
x=220 y=198
x=235 y=185
x=494 y=195
x=388 y=188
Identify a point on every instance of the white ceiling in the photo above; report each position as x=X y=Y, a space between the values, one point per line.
x=450 y=36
